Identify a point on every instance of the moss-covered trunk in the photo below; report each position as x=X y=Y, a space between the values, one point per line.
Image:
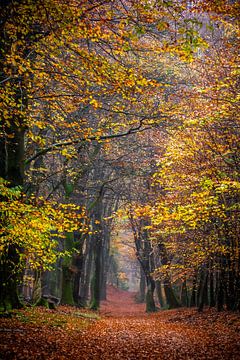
x=67 y=273
x=171 y=299
x=150 y=303
x=159 y=293
x=67 y=286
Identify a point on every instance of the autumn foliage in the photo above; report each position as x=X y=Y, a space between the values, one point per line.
x=122 y=330
x=119 y=109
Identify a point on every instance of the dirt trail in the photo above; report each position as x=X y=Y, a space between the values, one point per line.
x=125 y=332
x=121 y=303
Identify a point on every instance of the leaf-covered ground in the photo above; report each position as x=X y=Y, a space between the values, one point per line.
x=124 y=332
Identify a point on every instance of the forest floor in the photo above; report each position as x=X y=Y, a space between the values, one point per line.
x=121 y=330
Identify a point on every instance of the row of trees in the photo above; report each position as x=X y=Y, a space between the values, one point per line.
x=192 y=221
x=93 y=96
x=69 y=79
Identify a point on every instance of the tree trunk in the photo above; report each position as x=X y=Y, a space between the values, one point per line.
x=12 y=149
x=220 y=292
x=67 y=286
x=159 y=293
x=171 y=299
x=150 y=303
x=184 y=293
x=67 y=273
x=237 y=294
x=105 y=263
x=11 y=169
x=230 y=290
x=78 y=263
x=203 y=287
x=194 y=291
x=85 y=285
x=97 y=250
x=96 y=279
x=142 y=286
x=9 y=280
x=212 y=301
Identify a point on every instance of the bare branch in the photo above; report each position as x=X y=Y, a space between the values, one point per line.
x=82 y=140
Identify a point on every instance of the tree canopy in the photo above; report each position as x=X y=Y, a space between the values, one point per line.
x=130 y=105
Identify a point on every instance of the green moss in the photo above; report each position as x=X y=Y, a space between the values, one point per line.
x=87 y=315
x=150 y=305
x=42 y=302
x=94 y=305
x=67 y=287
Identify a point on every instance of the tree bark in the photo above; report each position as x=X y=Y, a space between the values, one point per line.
x=142 y=286
x=12 y=169
x=184 y=293
x=67 y=286
x=67 y=273
x=159 y=293
x=171 y=299
x=97 y=251
x=193 y=301
x=212 y=300
x=220 y=292
x=150 y=303
x=203 y=287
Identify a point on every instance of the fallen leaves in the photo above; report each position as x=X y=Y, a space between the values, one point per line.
x=124 y=331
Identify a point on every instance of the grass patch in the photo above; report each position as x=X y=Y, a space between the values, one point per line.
x=87 y=315
x=66 y=318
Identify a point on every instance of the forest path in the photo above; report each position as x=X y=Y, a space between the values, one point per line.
x=127 y=332
x=121 y=303
x=124 y=332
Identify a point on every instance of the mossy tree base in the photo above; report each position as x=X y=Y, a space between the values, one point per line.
x=150 y=303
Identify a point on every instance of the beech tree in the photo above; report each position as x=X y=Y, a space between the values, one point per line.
x=199 y=176
x=42 y=45
x=75 y=75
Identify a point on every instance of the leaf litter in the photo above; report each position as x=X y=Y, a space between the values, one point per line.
x=121 y=330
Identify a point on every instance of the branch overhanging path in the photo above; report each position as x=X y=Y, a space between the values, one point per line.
x=52 y=147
